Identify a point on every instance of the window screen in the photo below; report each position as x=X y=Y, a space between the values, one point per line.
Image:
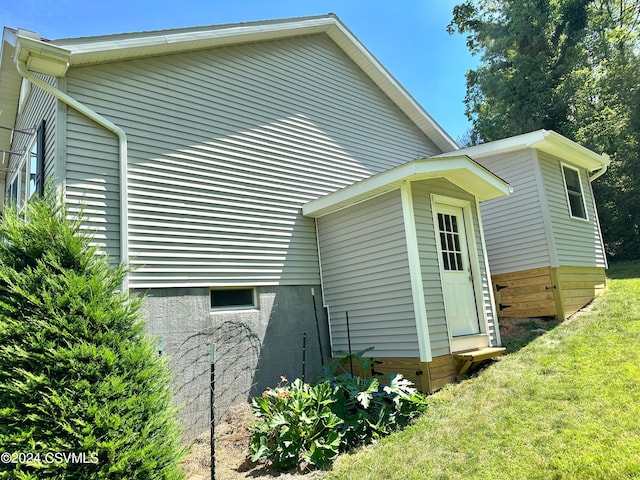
x=232 y=298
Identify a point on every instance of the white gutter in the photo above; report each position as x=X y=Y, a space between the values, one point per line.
x=602 y=171
x=23 y=56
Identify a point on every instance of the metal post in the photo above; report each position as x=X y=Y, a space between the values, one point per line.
x=304 y=353
x=349 y=343
x=315 y=312
x=213 y=422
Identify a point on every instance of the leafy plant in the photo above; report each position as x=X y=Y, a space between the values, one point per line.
x=297 y=425
x=77 y=375
x=298 y=422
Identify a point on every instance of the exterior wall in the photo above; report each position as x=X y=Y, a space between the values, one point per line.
x=225 y=145
x=365 y=270
x=576 y=287
x=253 y=348
x=433 y=295
x=577 y=242
x=548 y=292
x=514 y=226
x=37 y=107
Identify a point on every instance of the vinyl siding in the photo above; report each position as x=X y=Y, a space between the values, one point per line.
x=433 y=295
x=225 y=145
x=37 y=107
x=514 y=225
x=365 y=269
x=577 y=242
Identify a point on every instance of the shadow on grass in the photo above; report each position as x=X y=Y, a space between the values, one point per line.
x=519 y=332
x=624 y=270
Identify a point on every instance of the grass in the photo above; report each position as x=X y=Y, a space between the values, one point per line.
x=567 y=406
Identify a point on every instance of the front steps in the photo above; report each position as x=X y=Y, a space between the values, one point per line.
x=467 y=359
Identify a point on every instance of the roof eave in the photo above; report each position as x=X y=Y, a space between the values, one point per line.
x=120 y=47
x=544 y=140
x=10 y=81
x=461 y=171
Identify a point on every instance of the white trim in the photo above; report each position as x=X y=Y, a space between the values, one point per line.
x=546 y=141
x=465 y=205
x=469 y=342
x=461 y=171
x=111 y=48
x=566 y=192
x=324 y=304
x=492 y=300
x=544 y=206
x=415 y=272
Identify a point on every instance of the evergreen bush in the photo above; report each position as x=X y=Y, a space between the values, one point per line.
x=83 y=393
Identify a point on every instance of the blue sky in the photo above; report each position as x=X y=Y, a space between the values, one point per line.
x=407 y=36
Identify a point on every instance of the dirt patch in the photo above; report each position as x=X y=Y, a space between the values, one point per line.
x=232 y=453
x=518 y=332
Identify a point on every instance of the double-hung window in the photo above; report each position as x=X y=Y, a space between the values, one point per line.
x=575 y=196
x=28 y=178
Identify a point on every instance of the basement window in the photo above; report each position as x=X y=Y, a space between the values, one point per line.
x=575 y=197
x=233 y=298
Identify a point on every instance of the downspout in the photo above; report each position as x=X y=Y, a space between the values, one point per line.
x=600 y=172
x=122 y=151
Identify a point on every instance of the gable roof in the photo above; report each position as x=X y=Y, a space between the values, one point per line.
x=546 y=141
x=110 y=48
x=458 y=169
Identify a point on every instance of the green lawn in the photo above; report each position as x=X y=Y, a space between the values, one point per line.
x=567 y=406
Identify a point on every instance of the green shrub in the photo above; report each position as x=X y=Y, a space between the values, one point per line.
x=78 y=379
x=297 y=425
x=298 y=422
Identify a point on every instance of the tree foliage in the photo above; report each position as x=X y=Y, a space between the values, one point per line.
x=82 y=393
x=566 y=65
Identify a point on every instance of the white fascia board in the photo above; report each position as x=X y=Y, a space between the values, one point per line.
x=461 y=171
x=93 y=50
x=10 y=81
x=544 y=140
x=111 y=48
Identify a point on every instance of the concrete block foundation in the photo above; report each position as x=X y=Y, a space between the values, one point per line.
x=253 y=347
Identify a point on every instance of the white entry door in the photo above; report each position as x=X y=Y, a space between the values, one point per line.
x=457 y=278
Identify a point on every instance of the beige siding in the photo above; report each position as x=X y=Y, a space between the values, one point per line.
x=434 y=300
x=514 y=226
x=225 y=146
x=365 y=271
x=577 y=242
x=38 y=106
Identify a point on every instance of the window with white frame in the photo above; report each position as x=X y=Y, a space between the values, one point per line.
x=575 y=196
x=28 y=178
x=242 y=298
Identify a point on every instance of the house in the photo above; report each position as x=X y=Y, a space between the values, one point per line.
x=262 y=180
x=544 y=243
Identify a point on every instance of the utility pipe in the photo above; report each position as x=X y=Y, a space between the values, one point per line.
x=122 y=150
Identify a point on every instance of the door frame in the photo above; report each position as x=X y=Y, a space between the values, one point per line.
x=471 y=341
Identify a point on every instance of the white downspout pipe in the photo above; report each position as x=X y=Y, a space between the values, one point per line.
x=122 y=150
x=599 y=173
